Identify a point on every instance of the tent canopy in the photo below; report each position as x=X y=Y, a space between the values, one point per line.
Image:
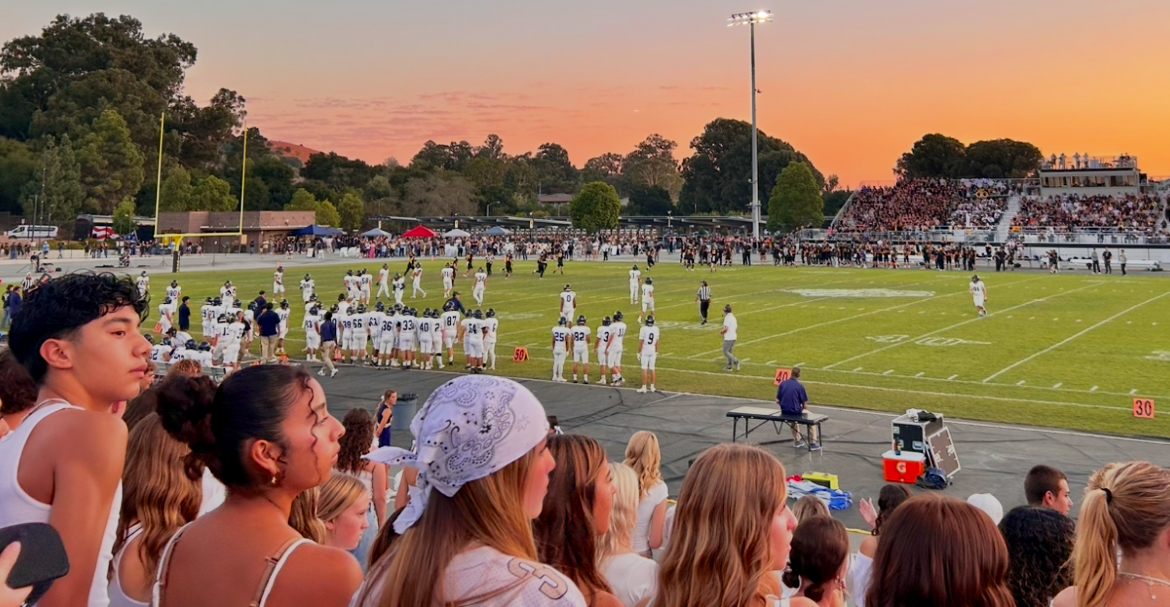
x=374 y=233
x=456 y=233
x=420 y=232
x=316 y=230
x=497 y=231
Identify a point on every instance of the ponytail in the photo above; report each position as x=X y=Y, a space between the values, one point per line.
x=1095 y=555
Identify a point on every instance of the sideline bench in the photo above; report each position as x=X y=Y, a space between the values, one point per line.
x=1085 y=263
x=776 y=417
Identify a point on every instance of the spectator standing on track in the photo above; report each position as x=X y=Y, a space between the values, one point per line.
x=269 y=323
x=1096 y=257
x=1121 y=259
x=793 y=400
x=730 y=333
x=1107 y=257
x=704 y=299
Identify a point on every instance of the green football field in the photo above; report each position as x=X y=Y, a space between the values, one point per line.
x=1071 y=350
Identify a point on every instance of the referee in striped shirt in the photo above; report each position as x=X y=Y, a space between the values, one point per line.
x=704 y=299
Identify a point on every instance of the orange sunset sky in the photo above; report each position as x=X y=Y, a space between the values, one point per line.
x=851 y=83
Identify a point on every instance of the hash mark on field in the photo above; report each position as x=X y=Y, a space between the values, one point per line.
x=952 y=378
x=1058 y=384
x=1067 y=340
x=800 y=364
x=858 y=369
x=744 y=360
x=1021 y=382
x=770 y=363
x=888 y=372
x=1133 y=392
x=920 y=374
x=1093 y=389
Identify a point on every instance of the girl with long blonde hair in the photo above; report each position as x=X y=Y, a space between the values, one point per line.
x=466 y=534
x=634 y=578
x=732 y=517
x=576 y=514
x=645 y=457
x=342 y=507
x=158 y=498
x=1126 y=510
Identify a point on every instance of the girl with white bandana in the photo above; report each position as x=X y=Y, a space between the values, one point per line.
x=483 y=474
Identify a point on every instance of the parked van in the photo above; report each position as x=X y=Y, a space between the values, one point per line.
x=30 y=232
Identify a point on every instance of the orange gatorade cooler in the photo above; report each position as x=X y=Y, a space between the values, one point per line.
x=904 y=467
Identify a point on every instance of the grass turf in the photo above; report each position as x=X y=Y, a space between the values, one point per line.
x=1066 y=351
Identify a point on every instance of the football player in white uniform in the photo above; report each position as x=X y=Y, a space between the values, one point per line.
x=451 y=317
x=221 y=339
x=227 y=295
x=175 y=292
x=202 y=355
x=617 y=336
x=480 y=286
x=365 y=286
x=143 y=284
x=166 y=315
x=399 y=288
x=356 y=341
x=312 y=327
x=416 y=282
x=159 y=353
x=387 y=337
x=351 y=285
x=647 y=299
x=437 y=337
x=284 y=313
x=278 y=281
x=581 y=336
x=603 y=335
x=492 y=326
x=207 y=317
x=560 y=348
x=236 y=333
x=978 y=292
x=448 y=280
x=384 y=281
x=374 y=326
x=425 y=339
x=635 y=283
x=648 y=340
x=473 y=341
x=407 y=328
x=568 y=303
x=307 y=287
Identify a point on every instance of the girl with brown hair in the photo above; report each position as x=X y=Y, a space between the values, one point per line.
x=890 y=497
x=732 y=516
x=939 y=551
x=356 y=443
x=266 y=433
x=645 y=457
x=576 y=513
x=1126 y=511
x=466 y=534
x=817 y=562
x=157 y=500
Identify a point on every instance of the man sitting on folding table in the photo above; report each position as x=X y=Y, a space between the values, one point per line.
x=793 y=400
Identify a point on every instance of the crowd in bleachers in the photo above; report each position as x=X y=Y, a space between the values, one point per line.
x=249 y=492
x=919 y=204
x=1129 y=213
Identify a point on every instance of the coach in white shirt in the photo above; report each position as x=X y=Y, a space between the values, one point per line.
x=729 y=333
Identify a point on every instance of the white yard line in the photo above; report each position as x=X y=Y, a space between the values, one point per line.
x=955 y=326
x=1065 y=341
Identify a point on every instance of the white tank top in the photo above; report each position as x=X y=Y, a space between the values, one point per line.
x=118 y=597
x=18 y=507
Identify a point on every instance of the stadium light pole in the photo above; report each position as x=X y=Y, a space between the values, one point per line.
x=750 y=20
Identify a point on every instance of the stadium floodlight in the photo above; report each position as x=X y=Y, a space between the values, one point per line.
x=751 y=19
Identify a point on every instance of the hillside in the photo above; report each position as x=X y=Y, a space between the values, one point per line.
x=292 y=150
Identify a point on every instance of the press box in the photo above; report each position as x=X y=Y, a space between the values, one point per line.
x=904 y=467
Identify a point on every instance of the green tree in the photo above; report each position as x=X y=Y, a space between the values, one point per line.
x=62 y=179
x=933 y=156
x=327 y=214
x=111 y=165
x=302 y=200
x=351 y=212
x=124 y=222
x=653 y=200
x=597 y=207
x=18 y=166
x=444 y=193
x=796 y=200
x=177 y=191
x=1002 y=158
x=608 y=168
x=652 y=164
x=717 y=176
x=213 y=194
x=556 y=174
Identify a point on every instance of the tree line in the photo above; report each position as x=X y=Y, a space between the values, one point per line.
x=80 y=109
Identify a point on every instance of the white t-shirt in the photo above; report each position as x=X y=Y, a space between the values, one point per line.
x=646 y=508
x=483 y=570
x=732 y=325
x=633 y=578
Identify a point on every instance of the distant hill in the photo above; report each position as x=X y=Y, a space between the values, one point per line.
x=292 y=150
